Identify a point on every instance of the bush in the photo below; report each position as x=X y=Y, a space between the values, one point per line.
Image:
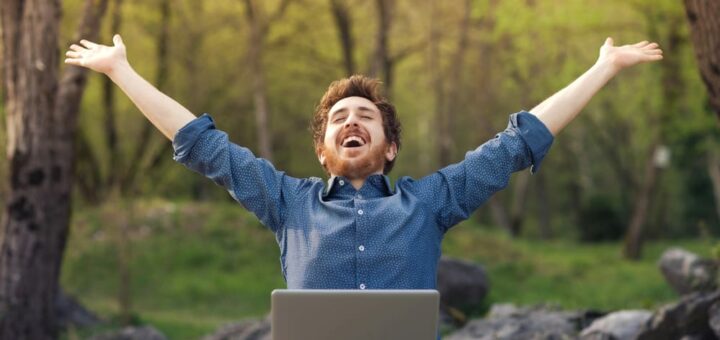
x=600 y=220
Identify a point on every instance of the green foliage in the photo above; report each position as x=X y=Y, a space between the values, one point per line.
x=601 y=220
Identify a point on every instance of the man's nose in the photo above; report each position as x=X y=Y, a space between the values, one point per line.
x=352 y=120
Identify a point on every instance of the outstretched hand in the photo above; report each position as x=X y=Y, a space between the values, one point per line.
x=100 y=58
x=628 y=55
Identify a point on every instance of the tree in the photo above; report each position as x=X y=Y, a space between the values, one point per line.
x=41 y=120
x=705 y=36
x=259 y=26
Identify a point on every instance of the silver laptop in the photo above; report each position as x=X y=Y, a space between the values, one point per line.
x=354 y=314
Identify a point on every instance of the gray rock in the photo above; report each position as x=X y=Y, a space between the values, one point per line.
x=255 y=329
x=714 y=318
x=685 y=318
x=621 y=325
x=132 y=333
x=71 y=313
x=507 y=322
x=462 y=284
x=686 y=272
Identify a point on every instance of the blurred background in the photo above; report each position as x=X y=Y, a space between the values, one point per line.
x=638 y=171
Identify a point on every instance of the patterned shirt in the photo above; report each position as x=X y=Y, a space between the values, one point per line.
x=379 y=237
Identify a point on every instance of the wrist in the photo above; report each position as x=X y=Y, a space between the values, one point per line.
x=119 y=68
x=607 y=67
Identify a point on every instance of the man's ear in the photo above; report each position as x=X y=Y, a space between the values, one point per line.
x=320 y=152
x=391 y=152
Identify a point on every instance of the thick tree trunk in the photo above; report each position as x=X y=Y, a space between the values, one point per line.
x=41 y=120
x=704 y=19
x=343 y=22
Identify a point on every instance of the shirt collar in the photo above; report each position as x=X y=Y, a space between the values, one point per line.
x=376 y=185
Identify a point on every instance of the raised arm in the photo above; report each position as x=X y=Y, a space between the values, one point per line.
x=162 y=111
x=562 y=107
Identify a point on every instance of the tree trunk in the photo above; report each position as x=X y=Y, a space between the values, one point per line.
x=255 y=55
x=704 y=19
x=343 y=22
x=109 y=89
x=128 y=183
x=714 y=172
x=41 y=122
x=634 y=238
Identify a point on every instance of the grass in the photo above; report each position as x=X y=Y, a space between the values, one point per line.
x=196 y=266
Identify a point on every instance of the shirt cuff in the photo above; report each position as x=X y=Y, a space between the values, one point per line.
x=188 y=135
x=536 y=135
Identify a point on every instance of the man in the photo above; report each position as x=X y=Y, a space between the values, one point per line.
x=356 y=231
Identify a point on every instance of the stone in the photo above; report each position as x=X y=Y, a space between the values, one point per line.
x=714 y=318
x=254 y=329
x=132 y=333
x=507 y=322
x=462 y=284
x=71 y=313
x=686 y=272
x=621 y=325
x=686 y=318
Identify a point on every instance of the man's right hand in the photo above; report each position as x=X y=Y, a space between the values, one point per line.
x=100 y=58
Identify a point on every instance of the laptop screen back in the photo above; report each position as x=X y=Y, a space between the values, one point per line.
x=354 y=314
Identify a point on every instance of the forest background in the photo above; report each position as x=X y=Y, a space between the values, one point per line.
x=640 y=164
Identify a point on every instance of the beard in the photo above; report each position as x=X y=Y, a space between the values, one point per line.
x=356 y=167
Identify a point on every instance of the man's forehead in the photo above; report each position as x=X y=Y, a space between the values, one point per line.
x=353 y=102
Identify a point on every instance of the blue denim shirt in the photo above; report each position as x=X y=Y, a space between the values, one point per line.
x=332 y=236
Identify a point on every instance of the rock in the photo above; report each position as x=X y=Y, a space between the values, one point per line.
x=255 y=329
x=506 y=321
x=687 y=272
x=70 y=312
x=621 y=325
x=462 y=284
x=714 y=318
x=132 y=333
x=685 y=318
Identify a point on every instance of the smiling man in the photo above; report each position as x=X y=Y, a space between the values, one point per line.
x=356 y=231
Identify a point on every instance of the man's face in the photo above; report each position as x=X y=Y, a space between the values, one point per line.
x=355 y=145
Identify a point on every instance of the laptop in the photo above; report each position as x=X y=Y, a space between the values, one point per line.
x=354 y=314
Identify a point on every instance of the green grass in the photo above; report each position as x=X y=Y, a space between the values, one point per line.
x=196 y=266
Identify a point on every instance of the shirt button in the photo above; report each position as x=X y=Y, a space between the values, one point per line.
x=342 y=182
x=361 y=248
x=360 y=212
x=359 y=196
x=362 y=286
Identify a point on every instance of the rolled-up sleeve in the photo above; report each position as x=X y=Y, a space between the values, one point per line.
x=455 y=191
x=253 y=182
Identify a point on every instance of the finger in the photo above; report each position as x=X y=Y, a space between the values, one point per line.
x=651 y=45
x=73 y=54
x=609 y=41
x=117 y=40
x=74 y=61
x=88 y=44
x=654 y=52
x=77 y=48
x=642 y=43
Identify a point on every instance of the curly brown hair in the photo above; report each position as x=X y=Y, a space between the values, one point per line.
x=356 y=86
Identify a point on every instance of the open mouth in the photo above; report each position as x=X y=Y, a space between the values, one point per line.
x=353 y=142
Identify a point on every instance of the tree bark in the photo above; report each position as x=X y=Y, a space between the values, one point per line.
x=134 y=165
x=255 y=54
x=714 y=173
x=634 y=238
x=704 y=19
x=41 y=121
x=343 y=22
